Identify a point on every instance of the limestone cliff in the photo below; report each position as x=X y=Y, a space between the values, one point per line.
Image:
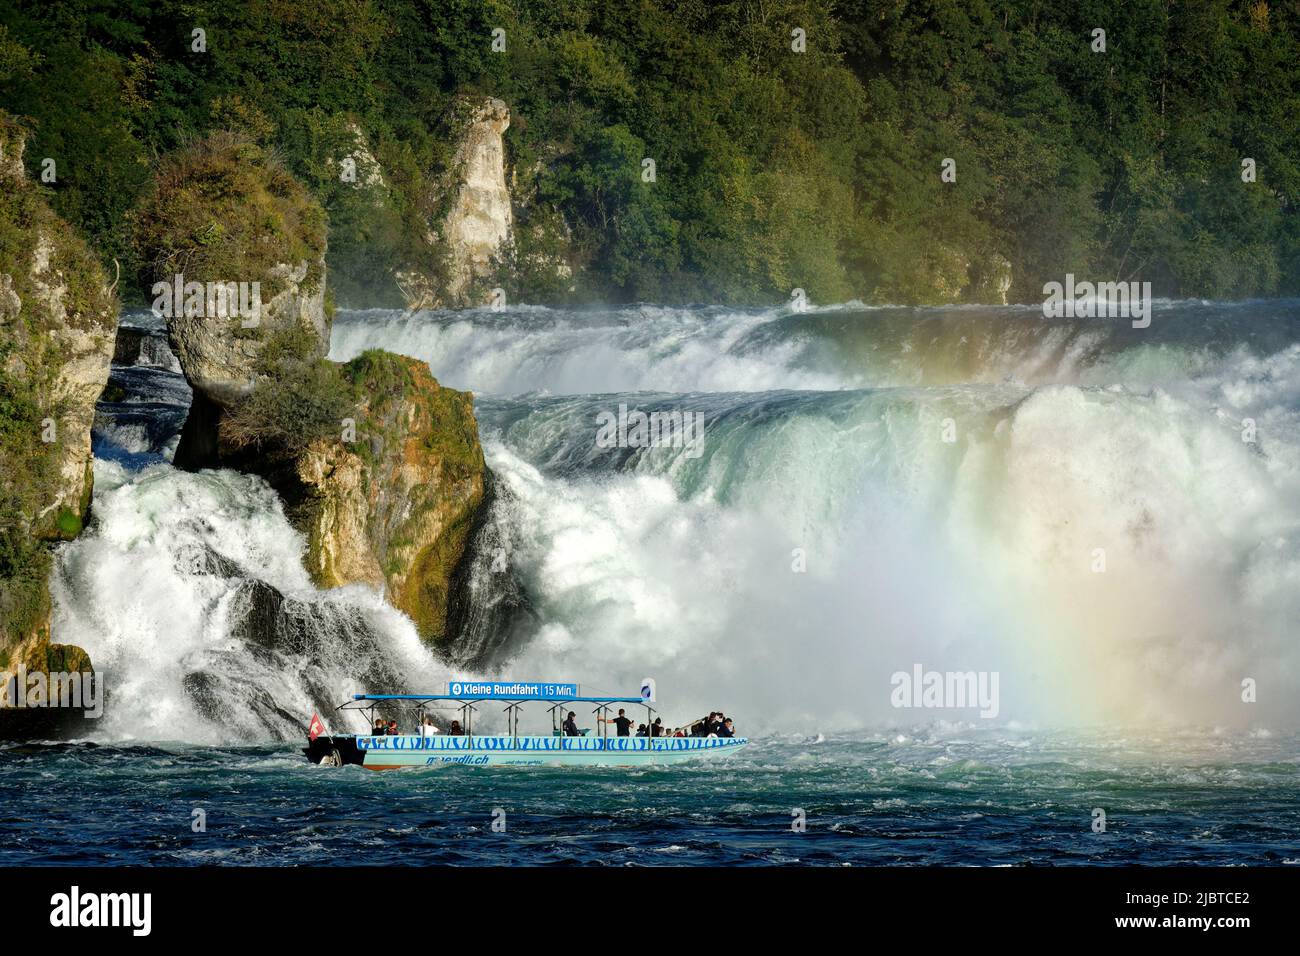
x=473 y=220
x=359 y=168
x=480 y=218
x=57 y=316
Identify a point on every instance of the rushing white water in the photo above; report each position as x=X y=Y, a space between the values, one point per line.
x=653 y=348
x=983 y=553
x=876 y=488
x=190 y=594
x=638 y=349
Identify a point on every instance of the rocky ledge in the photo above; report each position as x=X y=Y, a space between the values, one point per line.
x=57 y=316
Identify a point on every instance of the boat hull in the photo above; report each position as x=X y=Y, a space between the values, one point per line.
x=392 y=752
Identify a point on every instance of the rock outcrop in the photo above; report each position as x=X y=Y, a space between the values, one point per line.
x=221 y=365
x=57 y=318
x=391 y=497
x=475 y=218
x=235 y=252
x=394 y=508
x=991 y=280
x=378 y=465
x=953 y=274
x=359 y=168
x=480 y=219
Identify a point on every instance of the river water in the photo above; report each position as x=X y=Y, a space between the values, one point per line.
x=1105 y=518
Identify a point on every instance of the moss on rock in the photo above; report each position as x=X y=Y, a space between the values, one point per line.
x=225 y=212
x=226 y=208
x=390 y=497
x=426 y=475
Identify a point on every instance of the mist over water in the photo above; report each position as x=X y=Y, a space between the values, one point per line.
x=716 y=349
x=824 y=433
x=824 y=451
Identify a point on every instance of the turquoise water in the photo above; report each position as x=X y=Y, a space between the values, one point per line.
x=970 y=797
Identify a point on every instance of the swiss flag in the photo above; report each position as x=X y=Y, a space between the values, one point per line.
x=316 y=727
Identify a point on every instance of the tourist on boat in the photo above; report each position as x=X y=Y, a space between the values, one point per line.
x=428 y=728
x=378 y=730
x=455 y=730
x=709 y=726
x=642 y=730
x=392 y=728
x=622 y=721
x=725 y=728
x=657 y=728
x=571 y=726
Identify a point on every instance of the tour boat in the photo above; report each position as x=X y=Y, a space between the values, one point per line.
x=512 y=749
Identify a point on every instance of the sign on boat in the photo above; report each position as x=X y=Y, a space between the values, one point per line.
x=435 y=745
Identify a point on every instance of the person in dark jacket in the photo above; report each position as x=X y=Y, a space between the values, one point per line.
x=725 y=729
x=571 y=726
x=657 y=728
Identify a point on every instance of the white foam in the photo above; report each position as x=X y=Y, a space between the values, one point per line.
x=134 y=592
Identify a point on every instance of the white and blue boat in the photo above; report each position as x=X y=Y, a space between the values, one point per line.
x=511 y=749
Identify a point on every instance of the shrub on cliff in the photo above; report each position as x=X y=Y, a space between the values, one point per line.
x=225 y=209
x=298 y=398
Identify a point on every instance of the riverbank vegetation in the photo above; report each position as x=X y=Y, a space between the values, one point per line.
x=776 y=166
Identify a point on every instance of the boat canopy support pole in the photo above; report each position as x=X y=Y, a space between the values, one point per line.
x=512 y=718
x=467 y=716
x=603 y=725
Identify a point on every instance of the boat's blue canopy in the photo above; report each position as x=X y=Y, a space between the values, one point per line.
x=558 y=699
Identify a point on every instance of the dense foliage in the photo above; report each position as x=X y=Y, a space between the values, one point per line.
x=300 y=398
x=221 y=209
x=774 y=169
